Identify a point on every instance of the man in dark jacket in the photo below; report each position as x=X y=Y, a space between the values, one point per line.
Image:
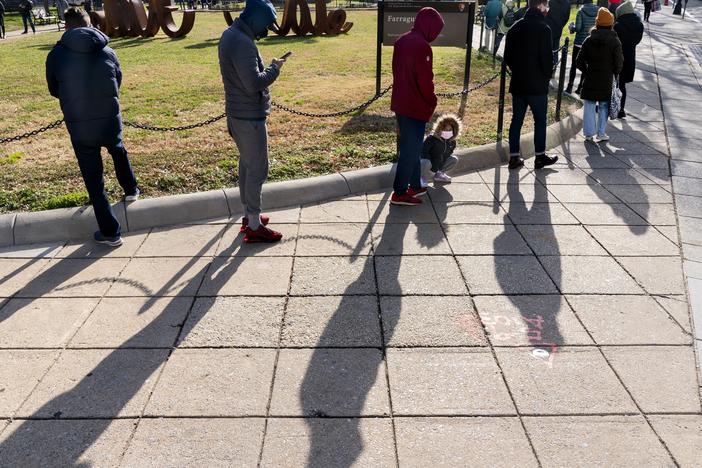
x=556 y=19
x=630 y=30
x=413 y=101
x=584 y=22
x=25 y=9
x=528 y=56
x=248 y=103
x=84 y=74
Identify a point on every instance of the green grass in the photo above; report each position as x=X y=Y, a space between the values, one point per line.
x=177 y=81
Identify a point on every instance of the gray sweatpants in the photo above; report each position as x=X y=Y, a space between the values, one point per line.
x=251 y=137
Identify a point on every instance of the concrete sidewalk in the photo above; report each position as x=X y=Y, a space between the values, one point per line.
x=515 y=319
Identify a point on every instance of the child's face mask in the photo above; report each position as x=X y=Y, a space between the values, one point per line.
x=447 y=134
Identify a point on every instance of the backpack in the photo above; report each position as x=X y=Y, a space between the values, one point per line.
x=510 y=17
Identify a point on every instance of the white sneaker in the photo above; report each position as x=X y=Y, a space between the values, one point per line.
x=423 y=182
x=603 y=137
x=132 y=197
x=442 y=177
x=590 y=138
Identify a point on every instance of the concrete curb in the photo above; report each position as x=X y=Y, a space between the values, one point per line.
x=79 y=223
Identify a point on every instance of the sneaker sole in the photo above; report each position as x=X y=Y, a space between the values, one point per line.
x=399 y=203
x=261 y=241
x=541 y=166
x=110 y=243
x=131 y=199
x=420 y=194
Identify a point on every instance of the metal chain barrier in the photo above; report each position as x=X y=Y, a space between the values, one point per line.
x=470 y=90
x=333 y=114
x=32 y=133
x=175 y=129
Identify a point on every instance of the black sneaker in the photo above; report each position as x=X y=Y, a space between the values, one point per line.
x=544 y=160
x=621 y=115
x=115 y=241
x=579 y=90
x=569 y=89
x=515 y=162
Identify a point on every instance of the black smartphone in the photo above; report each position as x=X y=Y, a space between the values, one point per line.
x=286 y=55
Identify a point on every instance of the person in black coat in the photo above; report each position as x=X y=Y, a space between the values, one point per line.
x=25 y=8
x=529 y=58
x=630 y=30
x=85 y=75
x=556 y=19
x=600 y=59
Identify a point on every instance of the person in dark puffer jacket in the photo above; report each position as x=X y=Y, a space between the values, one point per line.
x=584 y=22
x=630 y=30
x=437 y=152
x=85 y=75
x=600 y=59
x=556 y=19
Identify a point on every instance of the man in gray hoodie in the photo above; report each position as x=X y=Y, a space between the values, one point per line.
x=248 y=104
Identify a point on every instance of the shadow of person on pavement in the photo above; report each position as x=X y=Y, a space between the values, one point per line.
x=117 y=384
x=337 y=383
x=539 y=312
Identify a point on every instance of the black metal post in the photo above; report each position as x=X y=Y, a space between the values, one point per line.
x=561 y=77
x=379 y=47
x=469 y=44
x=482 y=30
x=501 y=105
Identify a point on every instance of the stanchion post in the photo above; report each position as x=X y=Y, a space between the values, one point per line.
x=501 y=106
x=561 y=77
x=469 y=44
x=379 y=47
x=482 y=29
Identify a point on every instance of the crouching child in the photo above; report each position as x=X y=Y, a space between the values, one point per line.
x=437 y=152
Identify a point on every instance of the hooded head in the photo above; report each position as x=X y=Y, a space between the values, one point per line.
x=84 y=40
x=587 y=2
x=259 y=15
x=625 y=8
x=448 y=121
x=605 y=19
x=509 y=4
x=428 y=23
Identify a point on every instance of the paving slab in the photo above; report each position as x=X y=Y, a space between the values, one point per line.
x=130 y=245
x=522 y=193
x=616 y=214
x=214 y=382
x=656 y=214
x=621 y=177
x=621 y=241
x=530 y=321
x=15 y=273
x=471 y=213
x=678 y=309
x=133 y=322
x=221 y=322
x=32 y=250
x=75 y=278
x=657 y=275
x=333 y=239
x=569 y=381
x=333 y=275
x=232 y=243
x=506 y=274
x=410 y=239
x=384 y=212
x=330 y=382
x=486 y=239
x=20 y=373
x=247 y=276
x=336 y=212
x=160 y=276
x=661 y=379
x=560 y=240
x=582 y=194
x=183 y=241
x=430 y=321
x=65 y=443
x=334 y=321
x=476 y=442
x=596 y=441
x=96 y=384
x=589 y=275
x=409 y=274
x=42 y=323
x=195 y=442
x=640 y=193
x=539 y=213
x=433 y=381
x=329 y=442
x=682 y=434
x=462 y=193
x=627 y=320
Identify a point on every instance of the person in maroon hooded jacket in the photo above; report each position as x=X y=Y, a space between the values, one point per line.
x=413 y=102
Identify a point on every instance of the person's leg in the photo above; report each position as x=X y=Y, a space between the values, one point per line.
x=123 y=168
x=603 y=115
x=498 y=41
x=589 y=125
x=519 y=108
x=90 y=163
x=449 y=164
x=31 y=22
x=251 y=138
x=573 y=69
x=24 y=23
x=408 y=170
x=2 y=26
x=622 y=88
x=539 y=109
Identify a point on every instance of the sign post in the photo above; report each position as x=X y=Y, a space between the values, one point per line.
x=395 y=18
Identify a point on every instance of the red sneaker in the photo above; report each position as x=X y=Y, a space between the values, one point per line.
x=417 y=192
x=245 y=222
x=262 y=234
x=406 y=199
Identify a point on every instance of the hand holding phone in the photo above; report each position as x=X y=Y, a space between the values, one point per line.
x=286 y=55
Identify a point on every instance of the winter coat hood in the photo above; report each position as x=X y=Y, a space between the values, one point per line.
x=84 y=40
x=602 y=36
x=626 y=8
x=258 y=15
x=428 y=23
x=590 y=9
x=450 y=119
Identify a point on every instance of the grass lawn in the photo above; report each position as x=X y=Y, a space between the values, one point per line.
x=177 y=81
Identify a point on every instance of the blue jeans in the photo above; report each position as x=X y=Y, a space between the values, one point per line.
x=590 y=127
x=410 y=140
x=27 y=18
x=539 y=109
x=91 y=168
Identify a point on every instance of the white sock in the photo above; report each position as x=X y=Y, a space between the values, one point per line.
x=254 y=222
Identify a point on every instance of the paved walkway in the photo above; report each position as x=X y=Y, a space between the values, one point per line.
x=515 y=319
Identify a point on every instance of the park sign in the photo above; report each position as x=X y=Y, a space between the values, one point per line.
x=398 y=18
